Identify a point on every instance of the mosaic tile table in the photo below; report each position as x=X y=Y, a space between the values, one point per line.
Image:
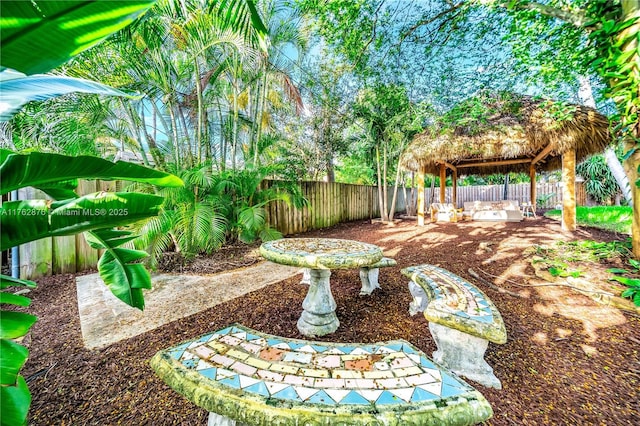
x=462 y=321
x=320 y=255
x=244 y=377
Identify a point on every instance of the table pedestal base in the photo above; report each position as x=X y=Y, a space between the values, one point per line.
x=319 y=308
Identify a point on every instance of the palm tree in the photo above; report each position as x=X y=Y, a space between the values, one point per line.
x=190 y=220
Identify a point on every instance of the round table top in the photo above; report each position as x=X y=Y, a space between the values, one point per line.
x=321 y=253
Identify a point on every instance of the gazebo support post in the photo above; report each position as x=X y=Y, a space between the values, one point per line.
x=454 y=192
x=569 y=190
x=443 y=182
x=532 y=187
x=420 y=209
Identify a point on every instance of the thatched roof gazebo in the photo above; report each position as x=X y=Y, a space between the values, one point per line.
x=502 y=133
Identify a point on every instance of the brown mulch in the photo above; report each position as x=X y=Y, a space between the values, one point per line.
x=568 y=360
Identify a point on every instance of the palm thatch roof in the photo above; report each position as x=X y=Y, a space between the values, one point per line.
x=502 y=133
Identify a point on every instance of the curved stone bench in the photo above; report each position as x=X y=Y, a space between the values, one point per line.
x=368 y=275
x=244 y=377
x=462 y=321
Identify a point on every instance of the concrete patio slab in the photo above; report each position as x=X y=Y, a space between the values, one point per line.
x=105 y=320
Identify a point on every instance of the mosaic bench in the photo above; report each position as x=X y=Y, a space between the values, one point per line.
x=368 y=275
x=462 y=321
x=244 y=377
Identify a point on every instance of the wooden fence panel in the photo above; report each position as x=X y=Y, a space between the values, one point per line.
x=86 y=256
x=64 y=255
x=548 y=194
x=329 y=204
x=36 y=257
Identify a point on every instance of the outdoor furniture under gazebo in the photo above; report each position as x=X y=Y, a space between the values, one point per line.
x=503 y=133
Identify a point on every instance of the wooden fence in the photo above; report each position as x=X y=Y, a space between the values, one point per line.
x=548 y=194
x=329 y=203
x=59 y=255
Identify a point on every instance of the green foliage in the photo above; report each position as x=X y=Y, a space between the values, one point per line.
x=71 y=216
x=593 y=251
x=18 y=89
x=29 y=220
x=119 y=267
x=543 y=200
x=560 y=258
x=630 y=278
x=615 y=42
x=71 y=125
x=473 y=113
x=191 y=219
x=355 y=171
x=37 y=36
x=244 y=199
x=611 y=218
x=41 y=169
x=599 y=182
x=559 y=269
x=546 y=45
x=555 y=264
x=213 y=208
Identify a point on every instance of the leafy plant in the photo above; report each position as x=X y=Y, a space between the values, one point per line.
x=190 y=220
x=632 y=280
x=37 y=36
x=543 y=200
x=599 y=181
x=558 y=259
x=560 y=270
x=593 y=251
x=28 y=220
x=244 y=199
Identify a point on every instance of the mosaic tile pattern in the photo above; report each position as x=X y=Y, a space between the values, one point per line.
x=321 y=253
x=458 y=304
x=317 y=376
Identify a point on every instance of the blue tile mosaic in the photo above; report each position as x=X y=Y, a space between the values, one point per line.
x=270 y=367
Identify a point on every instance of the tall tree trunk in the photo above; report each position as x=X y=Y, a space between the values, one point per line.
x=586 y=96
x=383 y=212
x=174 y=134
x=157 y=115
x=223 y=140
x=158 y=159
x=619 y=174
x=327 y=149
x=185 y=130
x=234 y=133
x=133 y=128
x=392 y=209
x=385 y=198
x=411 y=202
x=200 y=112
x=631 y=10
x=261 y=96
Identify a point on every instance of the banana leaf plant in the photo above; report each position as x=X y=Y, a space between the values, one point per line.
x=35 y=37
x=68 y=214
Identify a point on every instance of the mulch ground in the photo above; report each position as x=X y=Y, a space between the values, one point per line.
x=568 y=360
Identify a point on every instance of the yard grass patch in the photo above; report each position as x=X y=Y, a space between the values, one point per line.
x=610 y=218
